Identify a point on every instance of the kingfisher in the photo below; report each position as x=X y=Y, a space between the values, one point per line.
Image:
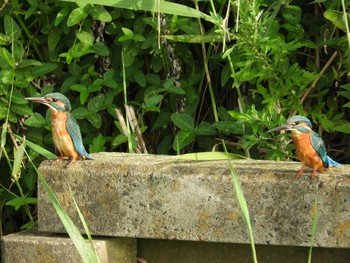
x=65 y=129
x=309 y=146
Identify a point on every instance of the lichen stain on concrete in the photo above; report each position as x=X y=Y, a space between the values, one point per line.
x=203 y=220
x=343 y=232
x=234 y=216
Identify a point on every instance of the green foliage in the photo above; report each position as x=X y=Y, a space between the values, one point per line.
x=205 y=72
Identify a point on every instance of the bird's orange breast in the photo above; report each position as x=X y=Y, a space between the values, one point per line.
x=61 y=138
x=306 y=152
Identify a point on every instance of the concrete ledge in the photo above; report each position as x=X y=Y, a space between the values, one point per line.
x=161 y=197
x=32 y=246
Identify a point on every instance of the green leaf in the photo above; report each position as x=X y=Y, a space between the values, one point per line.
x=78 y=87
x=80 y=113
x=170 y=87
x=345 y=128
x=42 y=151
x=100 y=49
x=22 y=109
x=20 y=201
x=7 y=56
x=140 y=78
x=7 y=76
x=120 y=139
x=183 y=121
x=45 y=68
x=336 y=19
x=95 y=120
x=128 y=35
x=11 y=27
x=17 y=163
x=85 y=37
x=229 y=127
x=205 y=128
x=292 y=14
x=98 y=144
x=163 y=119
x=183 y=138
x=100 y=13
x=61 y=15
x=70 y=81
x=210 y=38
x=96 y=104
x=4 y=39
x=36 y=120
x=76 y=16
x=17 y=97
x=152 y=102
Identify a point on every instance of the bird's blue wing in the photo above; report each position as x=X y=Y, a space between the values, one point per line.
x=320 y=147
x=74 y=132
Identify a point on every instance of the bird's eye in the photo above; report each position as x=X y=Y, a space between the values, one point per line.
x=54 y=99
x=297 y=122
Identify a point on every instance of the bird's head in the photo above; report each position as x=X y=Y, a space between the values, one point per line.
x=297 y=124
x=57 y=102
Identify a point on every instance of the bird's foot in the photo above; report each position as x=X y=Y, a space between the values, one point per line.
x=299 y=173
x=70 y=163
x=58 y=160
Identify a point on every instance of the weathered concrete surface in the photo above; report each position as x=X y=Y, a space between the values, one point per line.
x=34 y=247
x=174 y=251
x=162 y=197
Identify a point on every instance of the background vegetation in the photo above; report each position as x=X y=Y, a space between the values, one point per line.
x=222 y=69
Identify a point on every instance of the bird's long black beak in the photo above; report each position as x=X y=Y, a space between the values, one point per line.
x=41 y=100
x=282 y=127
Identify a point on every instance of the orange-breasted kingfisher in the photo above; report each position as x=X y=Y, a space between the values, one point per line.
x=65 y=129
x=309 y=146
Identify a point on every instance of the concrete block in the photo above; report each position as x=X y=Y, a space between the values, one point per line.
x=162 y=197
x=35 y=247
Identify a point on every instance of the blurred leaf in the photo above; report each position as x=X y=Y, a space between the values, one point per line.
x=336 y=18
x=345 y=128
x=95 y=120
x=96 y=104
x=80 y=113
x=11 y=27
x=36 y=120
x=100 y=49
x=183 y=121
x=100 y=13
x=85 y=37
x=120 y=139
x=43 y=69
x=76 y=16
x=183 y=138
x=205 y=128
x=163 y=119
x=229 y=127
x=98 y=144
x=152 y=102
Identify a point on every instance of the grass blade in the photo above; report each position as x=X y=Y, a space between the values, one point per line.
x=82 y=219
x=149 y=5
x=209 y=156
x=243 y=204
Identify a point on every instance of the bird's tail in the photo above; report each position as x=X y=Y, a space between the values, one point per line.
x=332 y=162
x=88 y=156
